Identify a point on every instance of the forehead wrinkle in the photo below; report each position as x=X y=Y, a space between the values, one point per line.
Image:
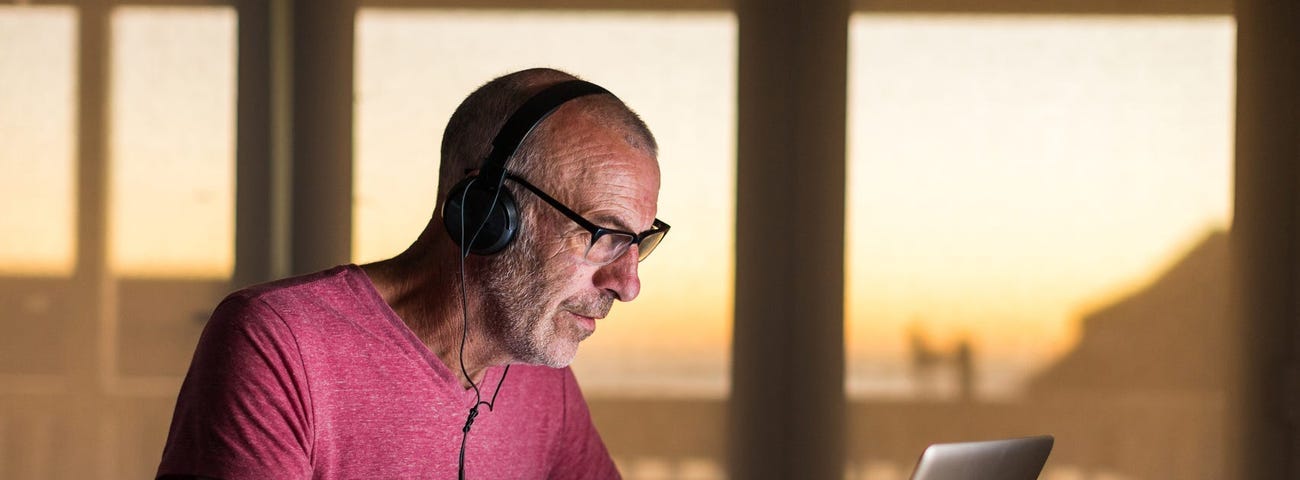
x=601 y=197
x=620 y=178
x=594 y=170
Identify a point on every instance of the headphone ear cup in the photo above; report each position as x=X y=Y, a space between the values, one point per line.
x=467 y=206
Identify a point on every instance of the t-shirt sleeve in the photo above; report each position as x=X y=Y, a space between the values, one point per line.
x=244 y=410
x=581 y=453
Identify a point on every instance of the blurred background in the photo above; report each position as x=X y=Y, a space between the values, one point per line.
x=1065 y=217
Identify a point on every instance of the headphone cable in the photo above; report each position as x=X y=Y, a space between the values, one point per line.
x=464 y=332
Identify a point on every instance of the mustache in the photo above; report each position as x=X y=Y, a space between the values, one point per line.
x=594 y=306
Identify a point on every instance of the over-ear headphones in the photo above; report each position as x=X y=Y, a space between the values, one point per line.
x=478 y=210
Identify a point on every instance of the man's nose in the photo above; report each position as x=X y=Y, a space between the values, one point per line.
x=620 y=276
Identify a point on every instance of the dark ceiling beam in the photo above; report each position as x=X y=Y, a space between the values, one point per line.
x=600 y=5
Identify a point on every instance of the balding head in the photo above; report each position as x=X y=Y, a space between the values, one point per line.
x=468 y=137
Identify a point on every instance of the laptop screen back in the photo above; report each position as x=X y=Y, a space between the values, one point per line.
x=1011 y=459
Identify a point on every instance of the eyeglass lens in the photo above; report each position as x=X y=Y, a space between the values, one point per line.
x=610 y=246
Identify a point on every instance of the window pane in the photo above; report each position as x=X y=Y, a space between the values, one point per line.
x=1037 y=215
x=677 y=72
x=37 y=104
x=37 y=201
x=172 y=141
x=172 y=179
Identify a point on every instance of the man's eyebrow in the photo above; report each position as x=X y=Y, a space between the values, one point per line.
x=610 y=221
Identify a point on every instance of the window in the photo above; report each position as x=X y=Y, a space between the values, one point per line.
x=171 y=151
x=172 y=116
x=37 y=200
x=105 y=299
x=1033 y=204
x=38 y=123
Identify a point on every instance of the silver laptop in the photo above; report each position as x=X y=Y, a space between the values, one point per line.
x=1011 y=459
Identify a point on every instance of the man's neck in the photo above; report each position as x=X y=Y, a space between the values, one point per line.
x=422 y=285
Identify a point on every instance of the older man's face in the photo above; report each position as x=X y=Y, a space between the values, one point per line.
x=542 y=296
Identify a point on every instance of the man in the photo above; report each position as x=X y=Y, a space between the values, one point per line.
x=393 y=369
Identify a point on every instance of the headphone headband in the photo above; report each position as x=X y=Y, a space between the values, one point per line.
x=524 y=120
x=478 y=211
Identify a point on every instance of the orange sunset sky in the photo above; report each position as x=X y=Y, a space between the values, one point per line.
x=1006 y=174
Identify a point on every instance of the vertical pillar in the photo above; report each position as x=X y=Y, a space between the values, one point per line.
x=253 y=158
x=92 y=264
x=263 y=200
x=323 y=32
x=87 y=337
x=787 y=406
x=1264 y=404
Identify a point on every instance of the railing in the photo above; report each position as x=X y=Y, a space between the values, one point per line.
x=57 y=425
x=1134 y=436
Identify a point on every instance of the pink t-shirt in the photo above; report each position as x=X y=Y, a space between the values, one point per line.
x=316 y=377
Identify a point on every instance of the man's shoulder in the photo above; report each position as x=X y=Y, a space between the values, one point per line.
x=333 y=279
x=339 y=291
x=343 y=284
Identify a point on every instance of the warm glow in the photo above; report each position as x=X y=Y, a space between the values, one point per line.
x=37 y=111
x=1008 y=176
x=172 y=143
x=675 y=70
x=1009 y=173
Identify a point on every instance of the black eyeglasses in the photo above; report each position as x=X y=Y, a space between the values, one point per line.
x=607 y=244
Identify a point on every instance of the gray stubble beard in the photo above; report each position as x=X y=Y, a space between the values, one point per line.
x=516 y=288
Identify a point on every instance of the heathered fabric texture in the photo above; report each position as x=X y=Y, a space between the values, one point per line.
x=316 y=377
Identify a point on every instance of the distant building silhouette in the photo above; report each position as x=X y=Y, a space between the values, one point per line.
x=1167 y=338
